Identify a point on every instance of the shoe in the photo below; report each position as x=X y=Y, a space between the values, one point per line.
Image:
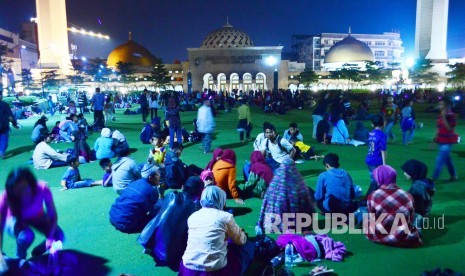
x=453 y=178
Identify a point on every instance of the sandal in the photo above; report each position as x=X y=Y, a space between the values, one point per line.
x=321 y=270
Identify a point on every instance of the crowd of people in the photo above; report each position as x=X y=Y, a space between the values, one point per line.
x=190 y=229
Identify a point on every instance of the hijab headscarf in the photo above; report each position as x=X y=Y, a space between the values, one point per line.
x=213 y=197
x=229 y=156
x=416 y=169
x=106 y=132
x=118 y=136
x=384 y=175
x=216 y=153
x=207 y=174
x=259 y=167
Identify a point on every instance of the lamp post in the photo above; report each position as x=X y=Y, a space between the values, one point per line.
x=73 y=50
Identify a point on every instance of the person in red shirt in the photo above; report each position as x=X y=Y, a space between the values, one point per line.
x=445 y=138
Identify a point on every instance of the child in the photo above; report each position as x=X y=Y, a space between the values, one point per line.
x=72 y=109
x=72 y=178
x=293 y=131
x=422 y=189
x=176 y=172
x=408 y=123
x=303 y=151
x=376 y=155
x=158 y=152
x=82 y=123
x=107 y=179
x=208 y=178
x=56 y=132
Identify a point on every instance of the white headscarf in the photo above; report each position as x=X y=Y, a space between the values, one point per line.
x=118 y=136
x=213 y=197
x=106 y=132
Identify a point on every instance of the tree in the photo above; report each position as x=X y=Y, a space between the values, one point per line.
x=26 y=77
x=125 y=70
x=159 y=74
x=97 y=69
x=307 y=77
x=50 y=79
x=421 y=73
x=457 y=74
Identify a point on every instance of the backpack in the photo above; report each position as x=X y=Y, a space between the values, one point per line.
x=279 y=144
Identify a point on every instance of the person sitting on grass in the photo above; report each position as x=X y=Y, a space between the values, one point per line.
x=216 y=245
x=287 y=193
x=45 y=157
x=275 y=149
x=225 y=174
x=208 y=178
x=71 y=179
x=103 y=145
x=335 y=190
x=165 y=236
x=149 y=129
x=40 y=130
x=119 y=142
x=293 y=132
x=25 y=204
x=261 y=137
x=107 y=179
x=176 y=172
x=422 y=189
x=323 y=129
x=125 y=170
x=158 y=152
x=303 y=151
x=387 y=205
x=260 y=175
x=67 y=127
x=81 y=148
x=135 y=206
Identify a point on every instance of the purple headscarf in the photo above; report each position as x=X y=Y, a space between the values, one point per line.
x=384 y=175
x=216 y=154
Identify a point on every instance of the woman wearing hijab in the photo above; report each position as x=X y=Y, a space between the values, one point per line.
x=260 y=174
x=389 y=204
x=287 y=193
x=104 y=144
x=225 y=174
x=216 y=155
x=422 y=189
x=216 y=245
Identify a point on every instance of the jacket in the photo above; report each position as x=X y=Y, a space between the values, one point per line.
x=175 y=175
x=165 y=236
x=225 y=177
x=335 y=183
x=44 y=155
x=205 y=120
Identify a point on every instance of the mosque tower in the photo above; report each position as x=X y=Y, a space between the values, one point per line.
x=53 y=36
x=431 y=30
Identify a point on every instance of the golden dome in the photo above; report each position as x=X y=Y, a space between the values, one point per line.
x=349 y=49
x=131 y=52
x=227 y=37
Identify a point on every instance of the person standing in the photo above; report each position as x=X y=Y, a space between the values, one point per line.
x=320 y=111
x=6 y=116
x=144 y=105
x=245 y=124
x=51 y=105
x=445 y=137
x=206 y=124
x=82 y=102
x=98 y=103
x=174 y=120
x=153 y=105
x=390 y=112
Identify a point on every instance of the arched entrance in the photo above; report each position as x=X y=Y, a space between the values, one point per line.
x=260 y=81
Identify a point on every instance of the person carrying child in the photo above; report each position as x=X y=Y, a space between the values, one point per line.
x=71 y=179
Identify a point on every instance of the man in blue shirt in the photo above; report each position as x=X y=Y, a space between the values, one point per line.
x=135 y=206
x=98 y=103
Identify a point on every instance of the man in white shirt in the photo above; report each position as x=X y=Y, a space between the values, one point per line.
x=206 y=124
x=276 y=147
x=260 y=137
x=45 y=157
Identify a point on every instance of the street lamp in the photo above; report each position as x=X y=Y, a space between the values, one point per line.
x=74 y=50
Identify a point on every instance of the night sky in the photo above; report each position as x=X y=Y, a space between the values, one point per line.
x=167 y=28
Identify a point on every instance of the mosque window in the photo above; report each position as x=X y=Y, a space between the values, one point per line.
x=389 y=53
x=379 y=53
x=380 y=43
x=368 y=43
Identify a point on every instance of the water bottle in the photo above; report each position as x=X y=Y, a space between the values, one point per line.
x=288 y=255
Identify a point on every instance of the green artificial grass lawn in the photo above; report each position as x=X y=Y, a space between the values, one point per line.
x=83 y=213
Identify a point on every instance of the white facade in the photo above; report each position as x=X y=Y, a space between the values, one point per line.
x=431 y=30
x=311 y=50
x=53 y=35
